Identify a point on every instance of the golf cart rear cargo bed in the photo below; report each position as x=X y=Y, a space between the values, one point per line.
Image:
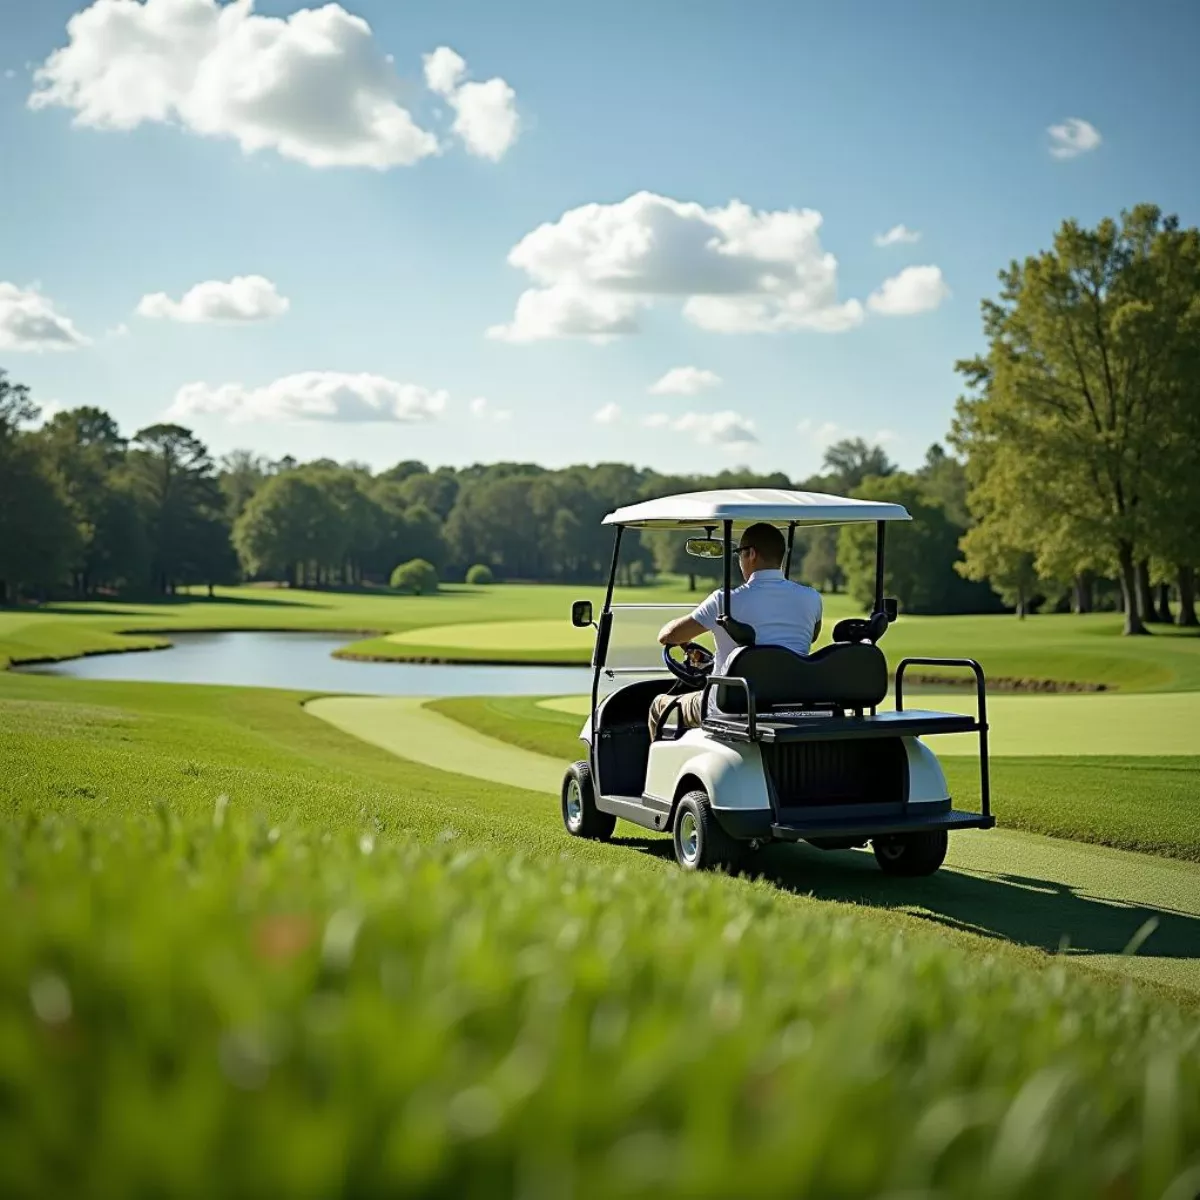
x=911 y=722
x=869 y=827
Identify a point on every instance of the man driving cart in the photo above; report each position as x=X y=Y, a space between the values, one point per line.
x=780 y=611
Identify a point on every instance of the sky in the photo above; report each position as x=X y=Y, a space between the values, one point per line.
x=689 y=236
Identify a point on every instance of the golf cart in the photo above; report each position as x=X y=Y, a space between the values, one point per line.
x=790 y=748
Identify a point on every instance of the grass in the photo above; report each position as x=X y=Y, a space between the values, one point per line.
x=1133 y=803
x=1059 y=647
x=356 y=975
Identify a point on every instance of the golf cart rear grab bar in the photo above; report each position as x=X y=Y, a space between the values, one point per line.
x=985 y=787
x=737 y=681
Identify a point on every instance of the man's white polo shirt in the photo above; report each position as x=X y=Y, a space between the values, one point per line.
x=782 y=612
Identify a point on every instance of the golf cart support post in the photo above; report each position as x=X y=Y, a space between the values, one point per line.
x=798 y=749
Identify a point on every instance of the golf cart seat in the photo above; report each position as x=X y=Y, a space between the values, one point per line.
x=846 y=675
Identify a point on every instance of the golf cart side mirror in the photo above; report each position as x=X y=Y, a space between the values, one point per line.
x=705 y=548
x=581 y=614
x=891 y=608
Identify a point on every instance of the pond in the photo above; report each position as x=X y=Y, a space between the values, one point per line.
x=305 y=662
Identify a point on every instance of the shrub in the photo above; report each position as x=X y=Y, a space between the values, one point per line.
x=479 y=574
x=416 y=577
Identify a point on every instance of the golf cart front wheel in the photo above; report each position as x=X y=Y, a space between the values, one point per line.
x=700 y=842
x=911 y=854
x=579 y=812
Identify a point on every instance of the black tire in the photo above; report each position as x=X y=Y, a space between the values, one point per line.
x=582 y=818
x=911 y=854
x=700 y=842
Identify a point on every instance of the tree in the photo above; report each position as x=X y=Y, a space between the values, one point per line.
x=86 y=449
x=921 y=554
x=173 y=475
x=281 y=533
x=416 y=577
x=242 y=473
x=1089 y=346
x=852 y=460
x=480 y=575
x=38 y=534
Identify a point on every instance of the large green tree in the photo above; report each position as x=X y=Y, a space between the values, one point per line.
x=1090 y=347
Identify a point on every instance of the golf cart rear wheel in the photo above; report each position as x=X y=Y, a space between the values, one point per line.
x=911 y=854
x=579 y=812
x=700 y=842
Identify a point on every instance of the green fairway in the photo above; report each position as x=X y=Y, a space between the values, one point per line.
x=1135 y=802
x=224 y=920
x=473 y=623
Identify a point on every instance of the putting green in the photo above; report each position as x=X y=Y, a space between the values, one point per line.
x=1075 y=895
x=498 y=635
x=1157 y=724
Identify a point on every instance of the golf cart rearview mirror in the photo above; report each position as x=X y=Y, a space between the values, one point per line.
x=705 y=548
x=581 y=614
x=891 y=608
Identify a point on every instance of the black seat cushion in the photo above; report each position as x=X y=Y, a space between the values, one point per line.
x=847 y=674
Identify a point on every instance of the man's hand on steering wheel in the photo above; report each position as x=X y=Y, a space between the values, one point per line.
x=694 y=668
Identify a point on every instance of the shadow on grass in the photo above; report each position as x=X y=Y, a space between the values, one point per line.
x=1027 y=911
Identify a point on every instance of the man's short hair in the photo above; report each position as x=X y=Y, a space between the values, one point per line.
x=767 y=540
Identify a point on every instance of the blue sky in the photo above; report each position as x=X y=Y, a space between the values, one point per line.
x=930 y=115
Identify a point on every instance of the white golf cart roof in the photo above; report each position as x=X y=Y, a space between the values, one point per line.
x=744 y=506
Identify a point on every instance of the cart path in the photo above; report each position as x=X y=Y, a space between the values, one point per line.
x=1031 y=889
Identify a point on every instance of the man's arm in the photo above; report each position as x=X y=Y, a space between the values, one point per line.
x=680 y=631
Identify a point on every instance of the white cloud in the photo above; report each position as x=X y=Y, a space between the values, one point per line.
x=733 y=269
x=897 y=235
x=568 y=312
x=29 y=321
x=1073 y=137
x=118 y=331
x=312 y=396
x=685 y=381
x=315 y=87
x=822 y=434
x=10 y=73
x=610 y=414
x=485 y=114
x=481 y=408
x=710 y=429
x=914 y=290
x=244 y=298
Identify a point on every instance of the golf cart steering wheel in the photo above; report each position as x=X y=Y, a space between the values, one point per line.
x=695 y=668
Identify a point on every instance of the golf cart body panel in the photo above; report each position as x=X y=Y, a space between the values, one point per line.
x=789 y=747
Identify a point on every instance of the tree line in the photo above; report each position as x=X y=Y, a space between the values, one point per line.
x=1070 y=480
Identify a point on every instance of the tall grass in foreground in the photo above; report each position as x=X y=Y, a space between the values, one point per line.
x=214 y=1008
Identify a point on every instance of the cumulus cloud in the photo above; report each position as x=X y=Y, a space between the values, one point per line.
x=914 y=290
x=684 y=381
x=29 y=321
x=710 y=429
x=733 y=270
x=315 y=87
x=482 y=410
x=485 y=114
x=610 y=414
x=898 y=235
x=1073 y=137
x=312 y=396
x=822 y=434
x=244 y=298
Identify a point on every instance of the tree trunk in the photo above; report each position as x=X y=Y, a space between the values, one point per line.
x=1145 y=593
x=1187 y=597
x=691 y=583
x=210 y=591
x=1021 y=604
x=1164 y=603
x=1129 y=591
x=1083 y=600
